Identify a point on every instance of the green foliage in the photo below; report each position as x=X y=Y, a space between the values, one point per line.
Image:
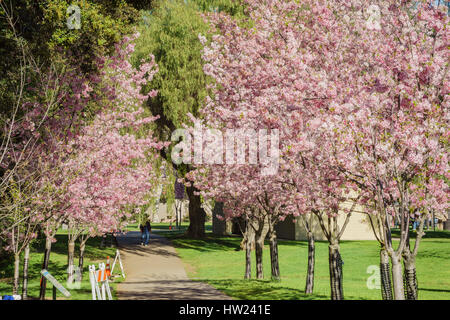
x=41 y=28
x=169 y=192
x=171 y=34
x=43 y=24
x=140 y=4
x=232 y=7
x=103 y=23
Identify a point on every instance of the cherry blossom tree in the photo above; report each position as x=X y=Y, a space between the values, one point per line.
x=264 y=85
x=317 y=71
x=244 y=197
x=112 y=168
x=98 y=144
x=394 y=131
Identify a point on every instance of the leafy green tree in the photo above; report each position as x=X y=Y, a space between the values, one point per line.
x=170 y=32
x=42 y=26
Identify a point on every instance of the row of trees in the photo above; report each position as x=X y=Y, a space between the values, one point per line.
x=76 y=146
x=360 y=104
x=360 y=98
x=77 y=149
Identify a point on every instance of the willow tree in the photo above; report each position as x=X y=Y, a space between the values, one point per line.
x=170 y=31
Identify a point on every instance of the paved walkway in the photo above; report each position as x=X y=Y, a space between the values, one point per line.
x=156 y=272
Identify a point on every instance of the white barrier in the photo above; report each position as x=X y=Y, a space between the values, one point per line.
x=93 y=282
x=55 y=283
x=97 y=277
x=120 y=263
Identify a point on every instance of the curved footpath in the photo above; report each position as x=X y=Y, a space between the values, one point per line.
x=156 y=272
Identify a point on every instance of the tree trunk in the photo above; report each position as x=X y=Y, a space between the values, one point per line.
x=48 y=248
x=259 y=261
x=16 y=273
x=311 y=260
x=70 y=261
x=397 y=278
x=274 y=255
x=197 y=215
x=248 y=260
x=26 y=260
x=409 y=278
x=409 y=264
x=385 y=273
x=249 y=238
x=81 y=258
x=260 y=235
x=336 y=276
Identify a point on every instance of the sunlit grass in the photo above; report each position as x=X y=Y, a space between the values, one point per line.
x=215 y=260
x=57 y=268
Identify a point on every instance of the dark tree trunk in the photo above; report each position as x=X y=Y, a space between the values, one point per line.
x=81 y=258
x=26 y=260
x=385 y=273
x=259 y=261
x=70 y=261
x=410 y=278
x=311 y=260
x=249 y=238
x=273 y=243
x=48 y=248
x=16 y=273
x=336 y=276
x=260 y=234
x=410 y=286
x=197 y=215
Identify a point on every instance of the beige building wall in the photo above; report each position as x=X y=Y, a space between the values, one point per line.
x=358 y=228
x=161 y=214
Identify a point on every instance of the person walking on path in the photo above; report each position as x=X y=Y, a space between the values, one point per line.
x=145 y=232
x=158 y=274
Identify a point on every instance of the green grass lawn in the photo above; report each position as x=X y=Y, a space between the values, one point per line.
x=57 y=267
x=215 y=260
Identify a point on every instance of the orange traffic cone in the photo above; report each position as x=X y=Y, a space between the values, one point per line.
x=108 y=269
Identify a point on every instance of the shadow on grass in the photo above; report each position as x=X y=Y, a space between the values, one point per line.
x=184 y=227
x=209 y=243
x=434 y=254
x=57 y=265
x=433 y=290
x=212 y=242
x=429 y=234
x=93 y=247
x=261 y=289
